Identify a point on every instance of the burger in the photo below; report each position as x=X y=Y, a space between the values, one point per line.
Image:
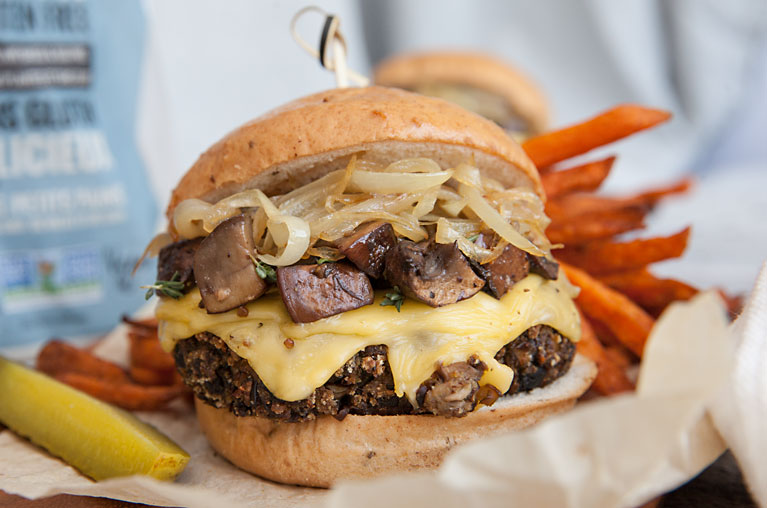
x=477 y=82
x=364 y=284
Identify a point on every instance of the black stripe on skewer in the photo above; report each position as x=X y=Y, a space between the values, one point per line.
x=324 y=38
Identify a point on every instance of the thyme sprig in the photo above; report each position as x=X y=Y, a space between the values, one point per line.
x=394 y=298
x=173 y=287
x=266 y=272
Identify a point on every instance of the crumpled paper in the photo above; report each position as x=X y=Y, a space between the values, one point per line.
x=740 y=411
x=621 y=451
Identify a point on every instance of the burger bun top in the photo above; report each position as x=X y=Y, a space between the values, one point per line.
x=309 y=137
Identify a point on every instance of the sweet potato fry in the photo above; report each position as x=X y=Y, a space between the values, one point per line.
x=647 y=290
x=605 y=335
x=620 y=356
x=595 y=226
x=654 y=503
x=630 y=324
x=586 y=177
x=124 y=394
x=651 y=197
x=734 y=303
x=147 y=332
x=573 y=205
x=58 y=357
x=149 y=323
x=614 y=124
x=602 y=257
x=142 y=334
x=146 y=352
x=610 y=378
x=153 y=377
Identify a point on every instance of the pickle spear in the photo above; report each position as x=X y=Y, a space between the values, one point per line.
x=98 y=439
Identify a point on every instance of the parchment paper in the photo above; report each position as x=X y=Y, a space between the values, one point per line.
x=609 y=452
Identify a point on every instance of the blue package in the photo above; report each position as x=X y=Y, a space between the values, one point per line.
x=75 y=205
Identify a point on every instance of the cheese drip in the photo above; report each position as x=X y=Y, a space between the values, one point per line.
x=419 y=338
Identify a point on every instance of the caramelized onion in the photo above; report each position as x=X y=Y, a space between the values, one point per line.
x=446 y=233
x=289 y=233
x=451 y=202
x=188 y=217
x=153 y=249
x=396 y=183
x=325 y=252
x=425 y=204
x=410 y=194
x=495 y=221
x=415 y=165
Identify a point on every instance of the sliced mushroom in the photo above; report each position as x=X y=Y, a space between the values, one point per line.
x=367 y=247
x=312 y=292
x=452 y=389
x=224 y=269
x=436 y=274
x=178 y=258
x=504 y=271
x=546 y=268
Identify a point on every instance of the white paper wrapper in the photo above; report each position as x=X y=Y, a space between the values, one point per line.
x=740 y=411
x=609 y=452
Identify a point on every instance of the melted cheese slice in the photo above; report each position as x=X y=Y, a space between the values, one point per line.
x=419 y=338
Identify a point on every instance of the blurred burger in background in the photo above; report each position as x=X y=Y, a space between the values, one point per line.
x=480 y=83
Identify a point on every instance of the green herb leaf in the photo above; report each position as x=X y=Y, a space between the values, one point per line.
x=173 y=287
x=394 y=298
x=324 y=260
x=473 y=238
x=266 y=272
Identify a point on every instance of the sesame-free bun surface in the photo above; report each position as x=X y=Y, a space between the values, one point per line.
x=320 y=452
x=307 y=138
x=475 y=70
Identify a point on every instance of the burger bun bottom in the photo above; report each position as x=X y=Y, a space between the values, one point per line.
x=317 y=453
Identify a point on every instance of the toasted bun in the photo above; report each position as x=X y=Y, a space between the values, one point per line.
x=308 y=138
x=322 y=451
x=471 y=69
